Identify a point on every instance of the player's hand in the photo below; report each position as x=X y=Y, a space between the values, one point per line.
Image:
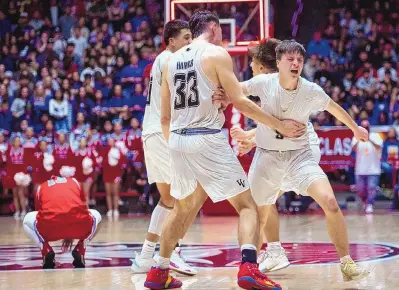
x=292 y=129
x=245 y=146
x=66 y=245
x=238 y=134
x=361 y=134
x=220 y=97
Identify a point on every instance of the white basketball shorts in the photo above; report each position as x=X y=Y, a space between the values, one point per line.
x=269 y=170
x=287 y=184
x=209 y=160
x=157 y=158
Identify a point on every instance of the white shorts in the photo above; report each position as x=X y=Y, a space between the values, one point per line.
x=209 y=160
x=287 y=184
x=269 y=169
x=157 y=158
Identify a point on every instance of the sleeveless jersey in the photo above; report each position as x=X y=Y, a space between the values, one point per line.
x=191 y=90
x=152 y=115
x=282 y=104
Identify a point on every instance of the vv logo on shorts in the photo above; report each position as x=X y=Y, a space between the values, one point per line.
x=241 y=182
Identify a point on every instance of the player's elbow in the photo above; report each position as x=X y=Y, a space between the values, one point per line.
x=165 y=120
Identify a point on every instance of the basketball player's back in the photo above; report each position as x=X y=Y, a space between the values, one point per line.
x=192 y=84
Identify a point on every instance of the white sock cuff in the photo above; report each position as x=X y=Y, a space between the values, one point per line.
x=248 y=247
x=163 y=263
x=158 y=217
x=274 y=245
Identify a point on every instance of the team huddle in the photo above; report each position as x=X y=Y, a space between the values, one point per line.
x=190 y=159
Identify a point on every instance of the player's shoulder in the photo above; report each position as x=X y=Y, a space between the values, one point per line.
x=216 y=52
x=310 y=86
x=266 y=77
x=163 y=58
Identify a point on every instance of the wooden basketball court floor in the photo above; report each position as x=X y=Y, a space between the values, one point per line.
x=211 y=244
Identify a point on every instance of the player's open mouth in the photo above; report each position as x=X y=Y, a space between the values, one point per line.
x=294 y=71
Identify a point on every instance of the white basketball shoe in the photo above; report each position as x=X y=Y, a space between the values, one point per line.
x=142 y=266
x=273 y=260
x=178 y=263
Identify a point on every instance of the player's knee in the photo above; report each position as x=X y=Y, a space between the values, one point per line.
x=96 y=215
x=30 y=218
x=332 y=204
x=167 y=201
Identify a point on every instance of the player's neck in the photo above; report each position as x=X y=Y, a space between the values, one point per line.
x=288 y=84
x=202 y=38
x=171 y=49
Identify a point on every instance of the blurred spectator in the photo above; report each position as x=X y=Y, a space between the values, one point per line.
x=368 y=167
x=390 y=153
x=67 y=21
x=318 y=46
x=366 y=81
x=387 y=68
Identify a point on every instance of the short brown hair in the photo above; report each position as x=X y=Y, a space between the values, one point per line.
x=264 y=51
x=289 y=46
x=173 y=29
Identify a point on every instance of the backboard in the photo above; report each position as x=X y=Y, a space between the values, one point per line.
x=242 y=21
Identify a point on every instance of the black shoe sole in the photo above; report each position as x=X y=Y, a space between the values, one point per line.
x=77 y=260
x=49 y=262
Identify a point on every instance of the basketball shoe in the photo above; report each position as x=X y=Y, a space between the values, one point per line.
x=351 y=271
x=78 y=255
x=48 y=256
x=273 y=260
x=249 y=277
x=142 y=266
x=178 y=263
x=159 y=278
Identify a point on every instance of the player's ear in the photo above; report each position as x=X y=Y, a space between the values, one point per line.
x=172 y=41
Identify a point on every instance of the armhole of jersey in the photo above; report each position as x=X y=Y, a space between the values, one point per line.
x=74 y=179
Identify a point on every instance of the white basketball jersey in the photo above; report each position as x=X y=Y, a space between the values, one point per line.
x=313 y=138
x=191 y=91
x=152 y=115
x=285 y=105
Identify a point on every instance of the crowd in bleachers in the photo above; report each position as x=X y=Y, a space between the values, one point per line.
x=73 y=81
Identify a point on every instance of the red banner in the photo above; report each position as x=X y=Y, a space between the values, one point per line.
x=335 y=148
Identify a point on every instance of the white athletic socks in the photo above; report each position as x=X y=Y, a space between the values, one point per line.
x=163 y=263
x=274 y=246
x=148 y=250
x=345 y=259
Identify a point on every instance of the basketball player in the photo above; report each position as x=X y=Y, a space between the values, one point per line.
x=201 y=158
x=61 y=214
x=176 y=35
x=263 y=57
x=287 y=95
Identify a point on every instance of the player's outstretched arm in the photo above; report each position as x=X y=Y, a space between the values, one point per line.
x=165 y=104
x=338 y=112
x=228 y=81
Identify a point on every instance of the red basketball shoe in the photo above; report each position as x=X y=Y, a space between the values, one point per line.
x=159 y=278
x=48 y=256
x=78 y=255
x=249 y=277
